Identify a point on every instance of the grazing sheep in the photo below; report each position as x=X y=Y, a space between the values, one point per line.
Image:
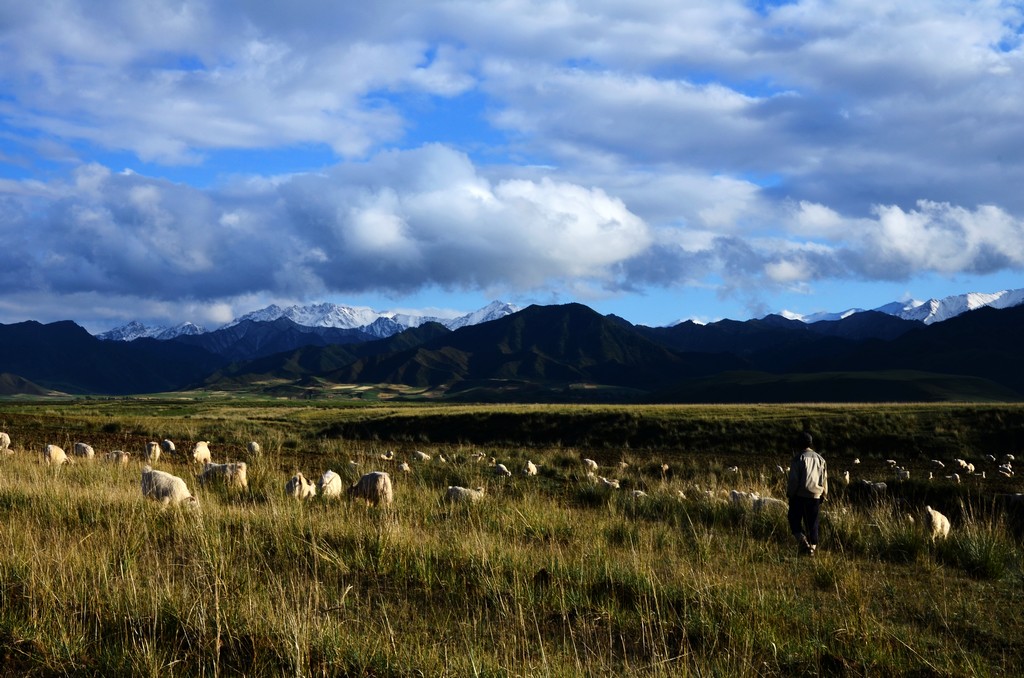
x=902 y=474
x=501 y=470
x=938 y=464
x=961 y=463
x=167 y=446
x=421 y=456
x=55 y=456
x=5 y=441
x=530 y=469
x=1009 y=457
x=845 y=478
x=254 y=448
x=969 y=468
x=329 y=484
x=404 y=467
x=733 y=469
x=856 y=461
x=456 y=494
x=639 y=494
x=201 y=453
x=374 y=488
x=300 y=487
x=84 y=450
x=590 y=464
x=165 y=488
x=770 y=503
x=152 y=454
x=234 y=474
x=609 y=483
x=891 y=462
x=740 y=498
x=623 y=465
x=388 y=456
x=117 y=457
x=936 y=523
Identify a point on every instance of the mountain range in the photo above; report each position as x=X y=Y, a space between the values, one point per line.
x=550 y=353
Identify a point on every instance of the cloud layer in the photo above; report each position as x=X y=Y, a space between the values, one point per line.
x=623 y=146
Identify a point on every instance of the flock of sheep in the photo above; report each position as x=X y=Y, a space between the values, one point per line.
x=169 y=489
x=375 y=488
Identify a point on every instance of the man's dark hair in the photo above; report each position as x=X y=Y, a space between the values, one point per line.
x=803 y=441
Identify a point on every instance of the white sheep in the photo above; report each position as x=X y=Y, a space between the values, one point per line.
x=856 y=461
x=639 y=494
x=740 y=498
x=530 y=469
x=300 y=487
x=902 y=474
x=166 y=488
x=501 y=470
x=167 y=446
x=152 y=454
x=456 y=494
x=84 y=450
x=55 y=456
x=5 y=440
x=388 y=456
x=254 y=448
x=609 y=483
x=845 y=478
x=117 y=457
x=768 y=503
x=374 y=488
x=590 y=465
x=404 y=467
x=938 y=464
x=234 y=474
x=421 y=456
x=936 y=523
x=329 y=484
x=201 y=452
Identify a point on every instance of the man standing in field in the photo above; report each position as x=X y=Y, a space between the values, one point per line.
x=806 y=489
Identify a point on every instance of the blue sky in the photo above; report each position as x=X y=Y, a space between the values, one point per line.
x=192 y=161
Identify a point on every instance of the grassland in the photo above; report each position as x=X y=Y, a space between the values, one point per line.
x=550 y=575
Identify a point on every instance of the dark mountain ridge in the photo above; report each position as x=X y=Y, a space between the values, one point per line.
x=566 y=352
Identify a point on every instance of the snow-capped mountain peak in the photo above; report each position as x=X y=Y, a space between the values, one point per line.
x=136 y=330
x=376 y=323
x=937 y=310
x=927 y=312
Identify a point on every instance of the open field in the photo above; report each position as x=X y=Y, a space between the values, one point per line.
x=548 y=575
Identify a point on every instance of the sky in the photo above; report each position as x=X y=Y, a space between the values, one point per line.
x=170 y=161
